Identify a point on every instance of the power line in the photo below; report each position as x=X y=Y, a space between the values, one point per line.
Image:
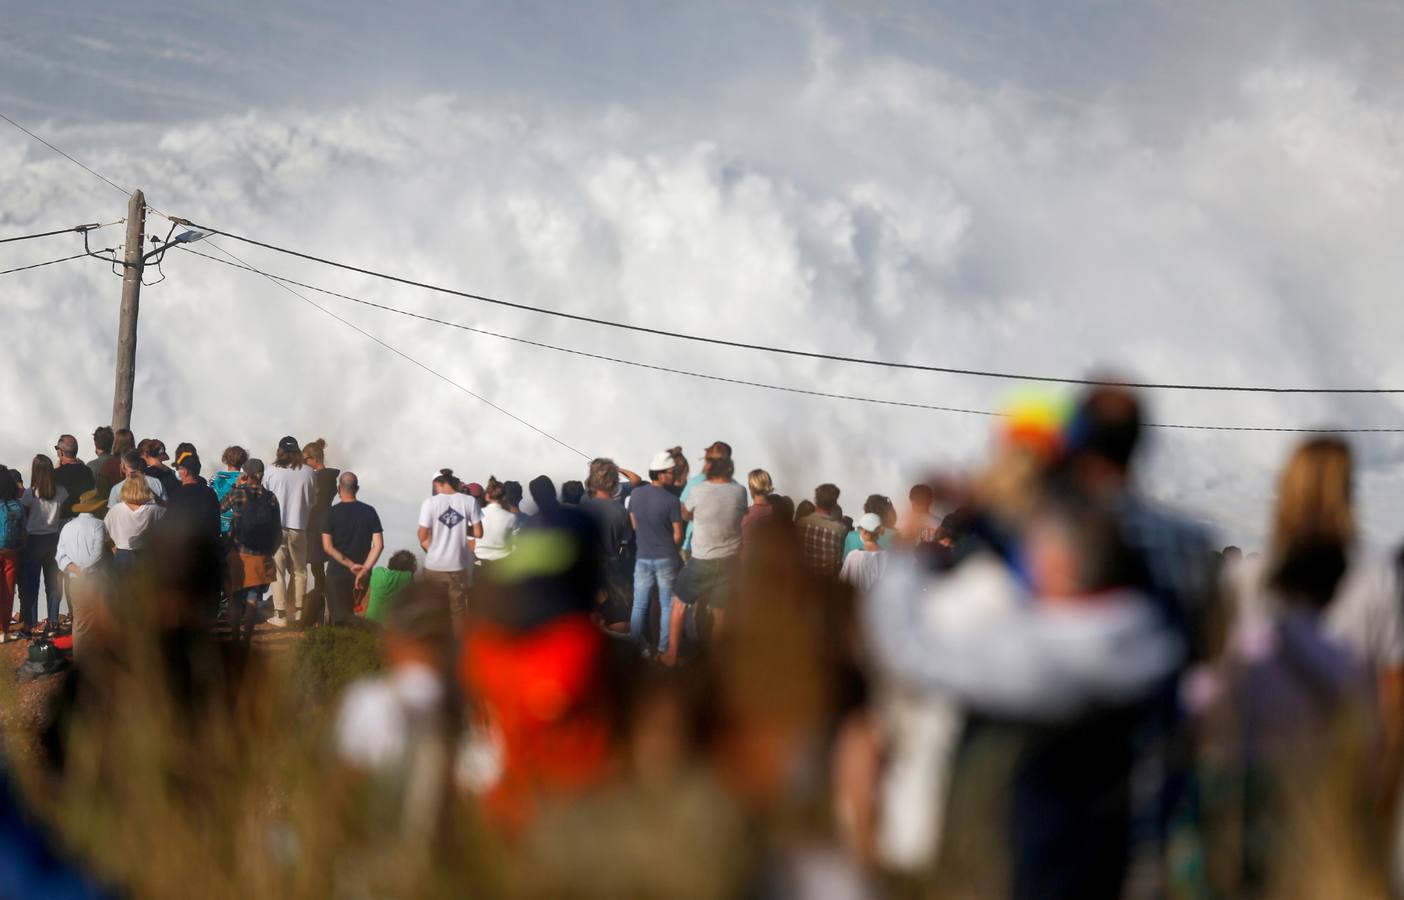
x=284 y=281
x=314 y=305
x=40 y=265
x=789 y=351
x=93 y=172
x=239 y=263
x=76 y=229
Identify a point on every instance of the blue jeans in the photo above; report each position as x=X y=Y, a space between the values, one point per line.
x=37 y=564
x=646 y=572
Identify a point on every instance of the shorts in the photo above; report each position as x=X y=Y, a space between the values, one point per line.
x=706 y=579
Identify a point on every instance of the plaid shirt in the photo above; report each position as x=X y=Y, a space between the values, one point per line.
x=822 y=538
x=238 y=499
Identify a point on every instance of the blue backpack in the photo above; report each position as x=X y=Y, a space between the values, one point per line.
x=11 y=525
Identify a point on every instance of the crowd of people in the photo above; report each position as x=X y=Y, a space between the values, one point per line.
x=1033 y=664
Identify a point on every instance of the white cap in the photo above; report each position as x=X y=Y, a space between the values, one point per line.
x=871 y=522
x=661 y=462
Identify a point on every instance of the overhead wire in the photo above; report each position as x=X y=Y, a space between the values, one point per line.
x=90 y=171
x=313 y=304
x=76 y=229
x=285 y=281
x=400 y=353
x=784 y=351
x=40 y=265
x=718 y=341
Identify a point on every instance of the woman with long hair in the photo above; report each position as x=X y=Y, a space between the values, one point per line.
x=1317 y=632
x=129 y=522
x=43 y=502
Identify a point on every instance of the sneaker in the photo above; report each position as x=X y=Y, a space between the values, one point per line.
x=278 y=621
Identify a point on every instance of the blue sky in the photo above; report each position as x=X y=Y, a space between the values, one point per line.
x=1184 y=191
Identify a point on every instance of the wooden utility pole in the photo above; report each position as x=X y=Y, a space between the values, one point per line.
x=132 y=268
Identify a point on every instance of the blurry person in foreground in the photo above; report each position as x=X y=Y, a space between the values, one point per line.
x=1317 y=635
x=532 y=664
x=399 y=727
x=1064 y=656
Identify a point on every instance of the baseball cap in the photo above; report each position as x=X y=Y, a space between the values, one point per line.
x=661 y=462
x=189 y=462
x=871 y=522
x=473 y=489
x=289 y=444
x=156 y=448
x=253 y=467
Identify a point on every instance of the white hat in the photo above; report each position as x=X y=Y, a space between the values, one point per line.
x=661 y=462
x=871 y=522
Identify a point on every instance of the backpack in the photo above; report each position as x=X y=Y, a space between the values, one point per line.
x=259 y=528
x=11 y=525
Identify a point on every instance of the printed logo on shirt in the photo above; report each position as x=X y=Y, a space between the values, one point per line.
x=451 y=517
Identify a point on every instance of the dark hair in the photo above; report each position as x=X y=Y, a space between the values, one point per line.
x=190 y=463
x=1108 y=424
x=876 y=503
x=288 y=459
x=9 y=488
x=403 y=561
x=681 y=467
x=922 y=493
x=543 y=493
x=512 y=494
x=826 y=497
x=102 y=438
x=493 y=492
x=805 y=508
x=234 y=457
x=781 y=507
x=122 y=441
x=41 y=477
x=572 y=492
x=446 y=476
x=132 y=459
x=716 y=467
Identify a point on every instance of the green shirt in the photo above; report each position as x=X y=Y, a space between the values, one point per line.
x=385 y=586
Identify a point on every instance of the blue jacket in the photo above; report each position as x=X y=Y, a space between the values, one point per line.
x=222 y=483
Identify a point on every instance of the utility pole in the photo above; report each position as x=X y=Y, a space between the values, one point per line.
x=132 y=267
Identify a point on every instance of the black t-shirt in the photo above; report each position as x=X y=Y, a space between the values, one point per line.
x=196 y=506
x=351 y=526
x=168 y=478
x=613 y=522
x=77 y=479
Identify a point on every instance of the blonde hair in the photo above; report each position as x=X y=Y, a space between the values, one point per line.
x=316 y=451
x=135 y=490
x=759 y=482
x=1314 y=498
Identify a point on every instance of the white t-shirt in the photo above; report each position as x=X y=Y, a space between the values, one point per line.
x=128 y=527
x=450 y=519
x=43 y=514
x=863 y=568
x=295 y=489
x=499 y=533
